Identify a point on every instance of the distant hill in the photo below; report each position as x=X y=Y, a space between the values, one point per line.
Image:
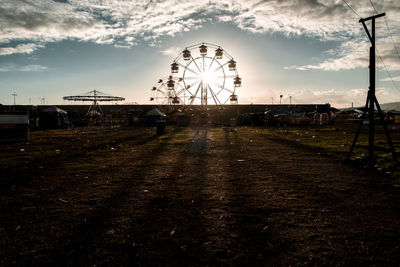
x=384 y=107
x=390 y=106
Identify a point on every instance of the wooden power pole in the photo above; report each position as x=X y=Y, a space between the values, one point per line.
x=371 y=98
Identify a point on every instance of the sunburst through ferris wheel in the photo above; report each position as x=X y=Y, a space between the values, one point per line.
x=201 y=76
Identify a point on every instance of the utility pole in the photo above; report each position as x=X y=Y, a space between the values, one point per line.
x=280 y=99
x=14 y=95
x=371 y=92
x=42 y=100
x=371 y=98
x=272 y=100
x=290 y=100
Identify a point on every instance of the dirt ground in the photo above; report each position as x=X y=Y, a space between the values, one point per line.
x=196 y=196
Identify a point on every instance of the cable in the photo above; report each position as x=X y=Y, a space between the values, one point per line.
x=373 y=6
x=388 y=73
x=384 y=65
x=390 y=33
x=391 y=36
x=351 y=9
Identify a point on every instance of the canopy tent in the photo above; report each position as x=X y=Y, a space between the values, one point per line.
x=153 y=116
x=53 y=118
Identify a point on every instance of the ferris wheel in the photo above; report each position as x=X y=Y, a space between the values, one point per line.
x=201 y=76
x=164 y=94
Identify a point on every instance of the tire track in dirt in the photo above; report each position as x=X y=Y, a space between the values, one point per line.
x=178 y=228
x=190 y=204
x=246 y=212
x=75 y=243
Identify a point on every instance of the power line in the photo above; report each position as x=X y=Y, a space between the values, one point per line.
x=390 y=32
x=384 y=65
x=373 y=6
x=391 y=36
x=388 y=73
x=352 y=9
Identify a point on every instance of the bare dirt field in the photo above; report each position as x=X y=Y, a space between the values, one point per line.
x=196 y=196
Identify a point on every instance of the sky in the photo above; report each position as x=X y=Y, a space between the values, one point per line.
x=308 y=51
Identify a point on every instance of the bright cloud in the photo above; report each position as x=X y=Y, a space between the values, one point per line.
x=19 y=49
x=127 y=23
x=349 y=55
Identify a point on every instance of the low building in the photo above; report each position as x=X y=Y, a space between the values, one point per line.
x=14 y=127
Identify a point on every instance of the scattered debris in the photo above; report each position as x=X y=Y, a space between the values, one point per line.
x=172 y=232
x=110 y=232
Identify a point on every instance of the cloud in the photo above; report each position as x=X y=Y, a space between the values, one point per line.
x=126 y=23
x=349 y=55
x=27 y=68
x=171 y=51
x=32 y=68
x=20 y=49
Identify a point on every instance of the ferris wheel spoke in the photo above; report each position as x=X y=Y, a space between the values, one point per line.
x=216 y=100
x=180 y=92
x=226 y=89
x=212 y=61
x=194 y=96
x=219 y=82
x=189 y=69
x=226 y=76
x=194 y=61
x=191 y=85
x=220 y=67
x=162 y=92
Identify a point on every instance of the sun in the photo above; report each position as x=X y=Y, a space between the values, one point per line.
x=208 y=77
